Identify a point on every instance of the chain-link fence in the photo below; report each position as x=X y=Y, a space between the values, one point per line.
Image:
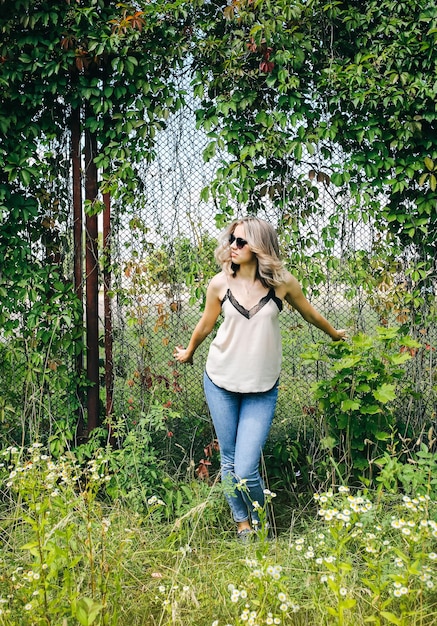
x=162 y=259
x=163 y=253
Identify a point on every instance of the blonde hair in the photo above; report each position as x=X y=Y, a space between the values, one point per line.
x=263 y=242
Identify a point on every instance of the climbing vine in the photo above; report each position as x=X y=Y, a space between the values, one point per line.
x=281 y=83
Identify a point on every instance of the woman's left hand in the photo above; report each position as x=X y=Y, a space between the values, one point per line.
x=341 y=335
x=182 y=355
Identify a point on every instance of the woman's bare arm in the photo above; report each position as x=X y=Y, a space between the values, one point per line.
x=206 y=323
x=294 y=296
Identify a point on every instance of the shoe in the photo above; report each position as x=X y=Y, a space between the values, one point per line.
x=245 y=535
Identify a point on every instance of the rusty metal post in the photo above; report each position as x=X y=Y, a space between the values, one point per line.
x=77 y=202
x=92 y=284
x=75 y=127
x=109 y=371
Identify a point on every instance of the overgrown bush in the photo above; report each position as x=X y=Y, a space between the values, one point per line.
x=357 y=400
x=61 y=562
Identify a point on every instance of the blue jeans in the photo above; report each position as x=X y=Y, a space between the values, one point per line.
x=242 y=423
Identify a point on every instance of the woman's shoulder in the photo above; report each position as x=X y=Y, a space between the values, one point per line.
x=288 y=285
x=219 y=279
x=219 y=284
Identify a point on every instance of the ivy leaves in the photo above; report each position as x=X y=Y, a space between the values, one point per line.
x=348 y=90
x=383 y=104
x=55 y=58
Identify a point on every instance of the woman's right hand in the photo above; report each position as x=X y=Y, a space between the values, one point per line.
x=206 y=323
x=182 y=355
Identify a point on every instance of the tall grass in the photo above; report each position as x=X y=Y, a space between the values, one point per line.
x=72 y=556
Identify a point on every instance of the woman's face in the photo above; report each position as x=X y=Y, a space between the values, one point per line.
x=243 y=254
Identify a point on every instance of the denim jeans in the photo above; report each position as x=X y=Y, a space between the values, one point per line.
x=242 y=423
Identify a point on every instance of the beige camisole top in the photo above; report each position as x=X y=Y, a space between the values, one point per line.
x=246 y=354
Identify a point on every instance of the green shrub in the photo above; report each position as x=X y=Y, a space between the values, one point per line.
x=357 y=400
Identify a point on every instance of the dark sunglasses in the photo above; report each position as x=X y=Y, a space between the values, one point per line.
x=239 y=242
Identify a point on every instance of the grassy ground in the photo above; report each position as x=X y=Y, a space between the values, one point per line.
x=74 y=553
x=343 y=558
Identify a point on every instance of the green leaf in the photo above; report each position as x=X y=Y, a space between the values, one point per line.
x=347 y=362
x=87 y=610
x=209 y=151
x=358 y=463
x=25 y=58
x=363 y=387
x=399 y=359
x=382 y=436
x=30 y=546
x=350 y=405
x=385 y=393
x=332 y=611
x=298 y=152
x=391 y=617
x=349 y=603
x=337 y=179
x=26 y=176
x=423 y=178
x=204 y=194
x=371 y=409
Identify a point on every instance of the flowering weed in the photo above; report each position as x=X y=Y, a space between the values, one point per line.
x=364 y=555
x=67 y=558
x=62 y=536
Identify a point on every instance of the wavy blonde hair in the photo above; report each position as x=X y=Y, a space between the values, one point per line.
x=263 y=242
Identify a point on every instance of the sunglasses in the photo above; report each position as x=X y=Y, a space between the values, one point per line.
x=239 y=242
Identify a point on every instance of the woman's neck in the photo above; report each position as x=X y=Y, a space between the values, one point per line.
x=248 y=272
x=246 y=277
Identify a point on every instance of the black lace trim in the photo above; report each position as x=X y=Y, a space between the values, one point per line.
x=248 y=314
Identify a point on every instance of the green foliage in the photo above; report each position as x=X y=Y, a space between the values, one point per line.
x=137 y=467
x=278 y=83
x=60 y=59
x=68 y=560
x=265 y=50
x=262 y=596
x=393 y=562
x=365 y=557
x=416 y=476
x=383 y=105
x=175 y=265
x=57 y=60
x=36 y=373
x=142 y=465
x=281 y=83
x=357 y=400
x=196 y=263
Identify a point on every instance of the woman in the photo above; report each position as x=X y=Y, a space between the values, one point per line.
x=244 y=359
